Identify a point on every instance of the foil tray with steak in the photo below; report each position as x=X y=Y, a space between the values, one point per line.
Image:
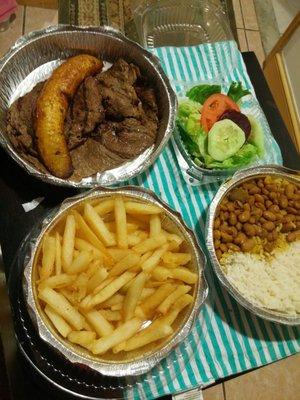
x=83 y=120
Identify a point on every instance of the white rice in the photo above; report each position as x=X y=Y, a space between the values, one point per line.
x=271 y=283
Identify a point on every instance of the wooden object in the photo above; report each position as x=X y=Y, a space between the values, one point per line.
x=280 y=71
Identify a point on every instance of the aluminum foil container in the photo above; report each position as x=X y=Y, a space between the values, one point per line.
x=120 y=364
x=237 y=179
x=35 y=55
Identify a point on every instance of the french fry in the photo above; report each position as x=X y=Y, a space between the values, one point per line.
x=110 y=289
x=133 y=239
x=152 y=261
x=80 y=263
x=116 y=307
x=105 y=207
x=160 y=294
x=133 y=207
x=179 y=305
x=70 y=295
x=121 y=226
x=130 y=226
x=57 y=281
x=149 y=244
x=68 y=240
x=139 y=313
x=155 y=225
x=98 y=226
x=120 y=334
x=86 y=233
x=111 y=315
x=99 y=323
x=95 y=280
x=164 y=307
x=59 y=323
x=117 y=254
x=133 y=295
x=124 y=264
x=147 y=336
x=48 y=259
x=155 y=284
x=184 y=274
x=83 y=338
x=176 y=258
x=57 y=254
x=147 y=292
x=93 y=268
x=161 y=273
x=103 y=284
x=81 y=284
x=115 y=299
x=83 y=245
x=62 y=307
x=172 y=237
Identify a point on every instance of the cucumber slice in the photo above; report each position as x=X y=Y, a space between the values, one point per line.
x=224 y=139
x=256 y=136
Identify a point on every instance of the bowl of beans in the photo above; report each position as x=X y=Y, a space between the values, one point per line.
x=253 y=237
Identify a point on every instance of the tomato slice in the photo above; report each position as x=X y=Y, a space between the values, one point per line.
x=214 y=107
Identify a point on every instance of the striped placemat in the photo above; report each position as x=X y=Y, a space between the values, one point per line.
x=226 y=338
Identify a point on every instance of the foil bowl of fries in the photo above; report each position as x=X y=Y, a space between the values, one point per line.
x=115 y=280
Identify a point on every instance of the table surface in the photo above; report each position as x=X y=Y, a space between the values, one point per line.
x=17 y=187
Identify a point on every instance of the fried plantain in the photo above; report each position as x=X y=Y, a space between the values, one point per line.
x=52 y=106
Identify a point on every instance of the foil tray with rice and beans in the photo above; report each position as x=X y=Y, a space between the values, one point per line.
x=256 y=236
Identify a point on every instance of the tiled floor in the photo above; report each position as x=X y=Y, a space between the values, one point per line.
x=278 y=381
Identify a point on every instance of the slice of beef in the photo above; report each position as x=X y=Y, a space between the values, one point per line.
x=128 y=138
x=93 y=157
x=84 y=113
x=119 y=97
x=20 y=121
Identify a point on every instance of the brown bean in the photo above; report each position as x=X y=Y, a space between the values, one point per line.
x=274 y=208
x=291 y=210
x=258 y=230
x=232 y=219
x=272 y=236
x=283 y=201
x=223 y=247
x=230 y=206
x=260 y=183
x=273 y=195
x=244 y=216
x=269 y=216
x=233 y=247
x=292 y=236
x=252 y=220
x=247 y=207
x=257 y=212
x=217 y=223
x=240 y=238
x=217 y=243
x=269 y=246
x=264 y=191
x=217 y=234
x=269 y=226
x=239 y=226
x=254 y=190
x=268 y=203
x=288 y=226
x=249 y=229
x=231 y=230
x=226 y=238
x=219 y=254
x=289 y=190
x=264 y=233
x=261 y=206
x=259 y=198
x=251 y=201
x=262 y=220
x=248 y=245
x=289 y=218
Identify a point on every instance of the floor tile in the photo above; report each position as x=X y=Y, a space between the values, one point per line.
x=8 y=37
x=242 y=40
x=254 y=44
x=238 y=13
x=213 y=393
x=277 y=381
x=38 y=18
x=249 y=14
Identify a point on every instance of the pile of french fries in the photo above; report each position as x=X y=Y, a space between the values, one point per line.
x=110 y=278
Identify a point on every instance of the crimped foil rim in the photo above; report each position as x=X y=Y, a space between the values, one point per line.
x=223 y=190
x=151 y=154
x=136 y=367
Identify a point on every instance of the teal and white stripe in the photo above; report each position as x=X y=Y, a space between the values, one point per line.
x=226 y=338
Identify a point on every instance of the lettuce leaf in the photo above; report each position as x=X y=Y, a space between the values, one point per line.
x=241 y=158
x=187 y=107
x=236 y=91
x=201 y=92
